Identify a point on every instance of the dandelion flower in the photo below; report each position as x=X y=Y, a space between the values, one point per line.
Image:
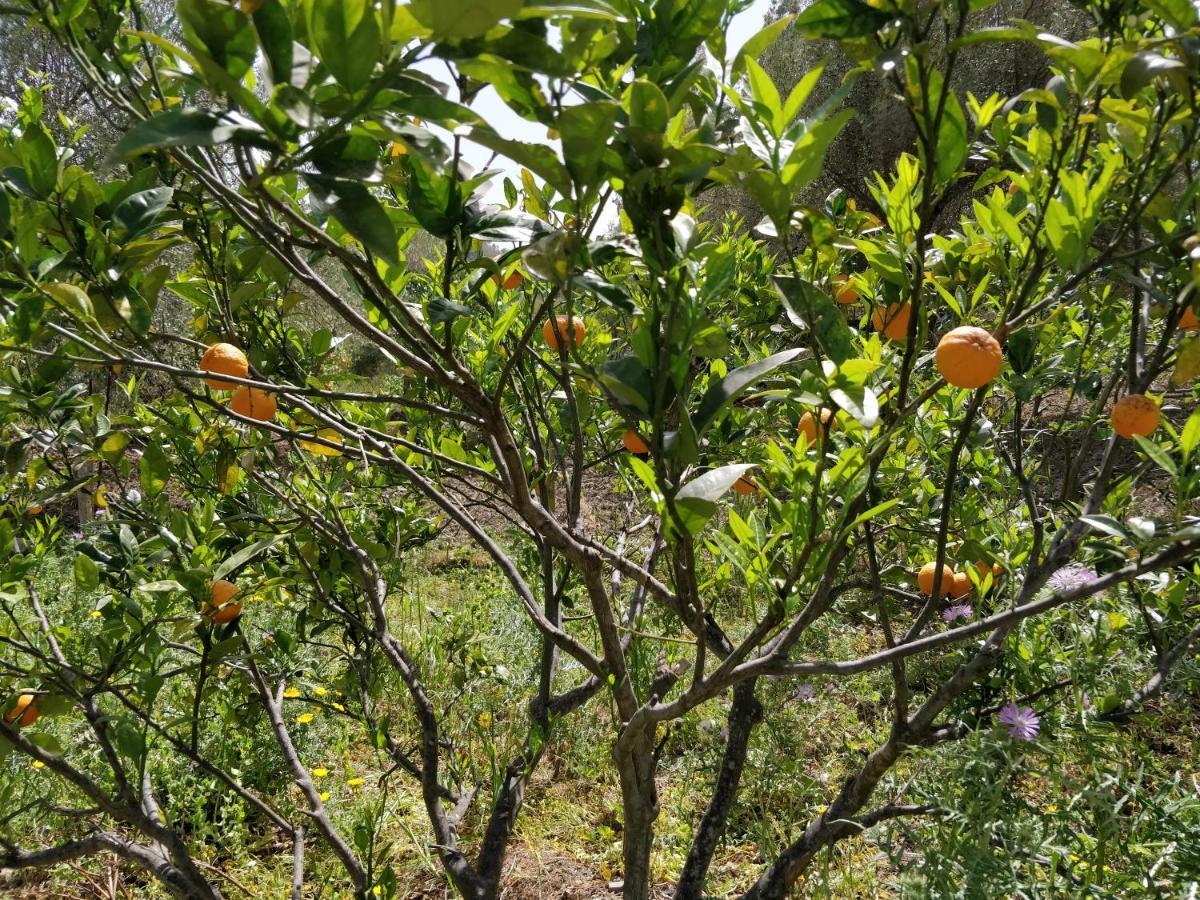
x=320 y=772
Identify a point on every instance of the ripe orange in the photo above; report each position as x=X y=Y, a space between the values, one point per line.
x=513 y=281
x=844 y=290
x=1134 y=414
x=1188 y=321
x=893 y=321
x=224 y=359
x=808 y=425
x=632 y=441
x=961 y=586
x=745 y=485
x=253 y=403
x=570 y=327
x=222 y=608
x=25 y=712
x=969 y=357
x=925 y=579
x=983 y=568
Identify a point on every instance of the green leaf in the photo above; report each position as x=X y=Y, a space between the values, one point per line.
x=950 y=142
x=766 y=96
x=359 y=212
x=647 y=106
x=1107 y=525
x=537 y=158
x=697 y=500
x=441 y=310
x=73 y=298
x=1146 y=67
x=629 y=381
x=733 y=385
x=345 y=34
x=187 y=128
x=578 y=126
x=873 y=512
x=138 y=212
x=840 y=19
x=243 y=556
x=574 y=9
x=274 y=27
x=87 y=574
x=754 y=47
x=1190 y=435
x=154 y=468
x=452 y=20
x=222 y=30
x=814 y=310
x=164 y=586
x=1158 y=454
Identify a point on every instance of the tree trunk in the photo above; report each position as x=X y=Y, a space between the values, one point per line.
x=744 y=713
x=636 y=764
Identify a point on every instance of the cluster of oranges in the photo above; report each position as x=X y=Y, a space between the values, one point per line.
x=950 y=583
x=250 y=402
x=24 y=712
x=970 y=357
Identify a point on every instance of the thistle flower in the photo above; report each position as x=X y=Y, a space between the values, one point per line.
x=957 y=611
x=1071 y=577
x=1022 y=722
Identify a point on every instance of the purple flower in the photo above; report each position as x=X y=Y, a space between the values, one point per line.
x=1022 y=722
x=77 y=535
x=1071 y=577
x=806 y=693
x=957 y=611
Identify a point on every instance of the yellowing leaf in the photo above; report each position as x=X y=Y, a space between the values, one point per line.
x=326 y=434
x=1187 y=364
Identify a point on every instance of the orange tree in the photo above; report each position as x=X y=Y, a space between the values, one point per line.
x=794 y=427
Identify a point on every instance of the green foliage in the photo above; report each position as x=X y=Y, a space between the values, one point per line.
x=466 y=375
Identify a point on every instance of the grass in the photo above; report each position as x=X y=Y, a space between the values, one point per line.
x=1098 y=803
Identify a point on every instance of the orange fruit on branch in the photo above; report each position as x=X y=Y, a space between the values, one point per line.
x=569 y=328
x=808 y=425
x=1134 y=414
x=745 y=486
x=969 y=357
x=983 y=568
x=961 y=585
x=633 y=442
x=511 y=282
x=25 y=712
x=221 y=607
x=844 y=290
x=253 y=403
x=224 y=359
x=926 y=576
x=893 y=321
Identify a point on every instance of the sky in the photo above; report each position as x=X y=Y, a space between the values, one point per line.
x=489 y=105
